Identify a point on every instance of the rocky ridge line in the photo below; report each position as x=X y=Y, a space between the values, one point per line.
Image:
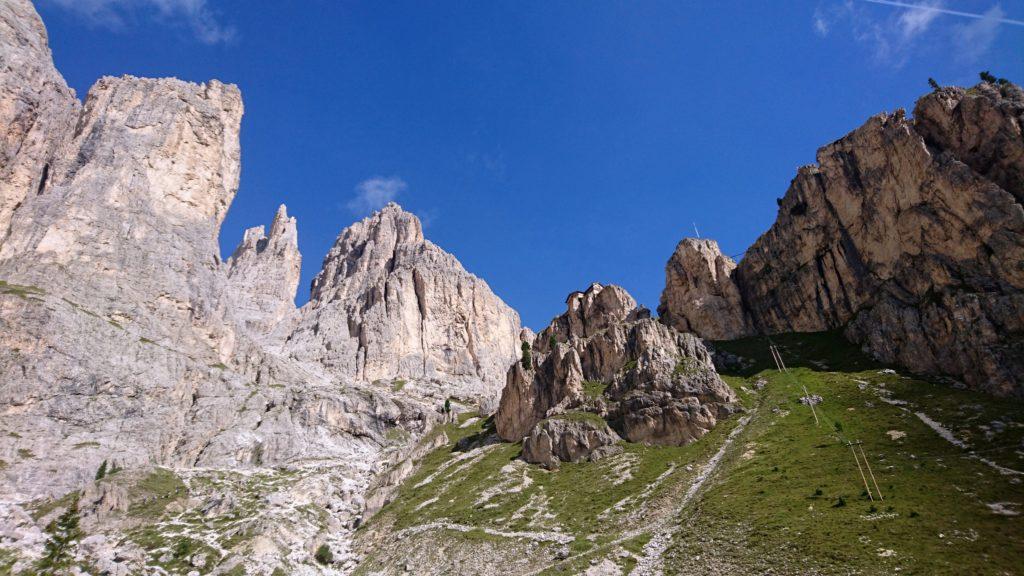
x=907 y=234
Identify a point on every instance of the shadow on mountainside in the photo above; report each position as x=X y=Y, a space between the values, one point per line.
x=818 y=351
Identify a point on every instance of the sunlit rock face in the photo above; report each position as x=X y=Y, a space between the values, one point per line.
x=658 y=385
x=125 y=339
x=908 y=234
x=263 y=276
x=389 y=303
x=700 y=294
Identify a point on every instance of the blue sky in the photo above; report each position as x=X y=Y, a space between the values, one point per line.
x=546 y=144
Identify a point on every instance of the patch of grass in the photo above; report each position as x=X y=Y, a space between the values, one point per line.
x=687 y=366
x=19 y=290
x=324 y=555
x=8 y=558
x=594 y=388
x=809 y=350
x=396 y=434
x=25 y=453
x=89 y=444
x=579 y=416
x=41 y=508
x=478 y=489
x=219 y=366
x=153 y=493
x=397 y=385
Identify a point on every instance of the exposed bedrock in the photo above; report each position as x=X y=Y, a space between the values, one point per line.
x=907 y=234
x=607 y=356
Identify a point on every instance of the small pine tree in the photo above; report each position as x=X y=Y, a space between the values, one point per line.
x=102 y=471
x=552 y=342
x=447 y=405
x=64 y=536
x=526 y=360
x=324 y=555
x=935 y=85
x=987 y=77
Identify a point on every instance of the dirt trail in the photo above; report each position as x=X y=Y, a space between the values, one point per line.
x=650 y=564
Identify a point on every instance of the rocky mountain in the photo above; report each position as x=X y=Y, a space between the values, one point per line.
x=389 y=303
x=907 y=234
x=37 y=109
x=195 y=421
x=263 y=276
x=127 y=345
x=700 y=293
x=606 y=356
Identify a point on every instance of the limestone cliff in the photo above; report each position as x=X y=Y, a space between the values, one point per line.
x=124 y=340
x=908 y=234
x=263 y=275
x=700 y=295
x=37 y=110
x=389 y=303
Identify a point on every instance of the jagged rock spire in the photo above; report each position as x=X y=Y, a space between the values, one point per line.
x=263 y=275
x=389 y=304
x=700 y=294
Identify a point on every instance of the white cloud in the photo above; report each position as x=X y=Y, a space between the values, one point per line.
x=974 y=39
x=895 y=31
x=373 y=193
x=915 y=21
x=821 y=22
x=196 y=15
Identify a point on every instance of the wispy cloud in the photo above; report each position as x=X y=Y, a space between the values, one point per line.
x=915 y=21
x=934 y=7
x=196 y=15
x=373 y=193
x=894 y=31
x=975 y=38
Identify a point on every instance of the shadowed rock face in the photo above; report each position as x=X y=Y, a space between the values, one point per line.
x=389 y=303
x=37 y=110
x=908 y=234
x=660 y=384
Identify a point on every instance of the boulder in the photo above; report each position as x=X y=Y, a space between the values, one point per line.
x=570 y=437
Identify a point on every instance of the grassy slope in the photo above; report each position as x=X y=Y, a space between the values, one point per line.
x=761 y=508
x=577 y=500
x=934 y=518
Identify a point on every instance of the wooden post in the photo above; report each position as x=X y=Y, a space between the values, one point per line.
x=875 y=482
x=776 y=358
x=861 y=470
x=782 y=367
